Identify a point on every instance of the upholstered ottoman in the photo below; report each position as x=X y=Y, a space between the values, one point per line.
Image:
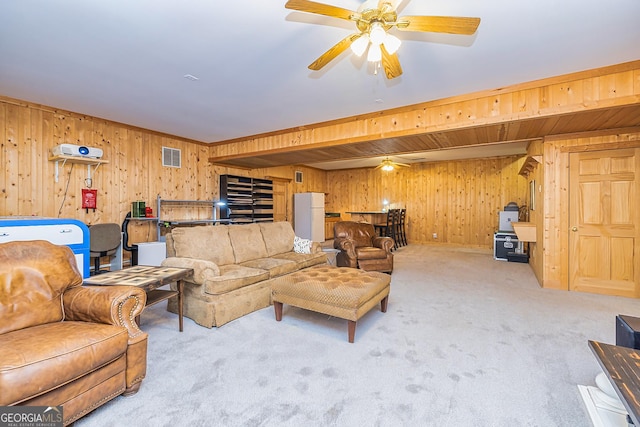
x=347 y=293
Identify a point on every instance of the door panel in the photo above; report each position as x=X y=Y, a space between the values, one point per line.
x=591 y=212
x=621 y=195
x=604 y=236
x=279 y=200
x=621 y=265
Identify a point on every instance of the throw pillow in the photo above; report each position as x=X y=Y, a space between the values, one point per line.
x=301 y=246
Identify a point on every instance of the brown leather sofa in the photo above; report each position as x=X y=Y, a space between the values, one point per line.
x=64 y=344
x=360 y=247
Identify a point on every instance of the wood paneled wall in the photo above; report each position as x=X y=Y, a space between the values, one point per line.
x=457 y=200
x=554 y=248
x=536 y=216
x=134 y=170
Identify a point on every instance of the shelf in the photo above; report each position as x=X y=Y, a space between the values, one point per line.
x=529 y=165
x=181 y=203
x=82 y=160
x=89 y=161
x=526 y=231
x=188 y=202
x=247 y=199
x=194 y=221
x=158 y=295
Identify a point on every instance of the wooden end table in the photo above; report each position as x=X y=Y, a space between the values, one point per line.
x=622 y=367
x=148 y=279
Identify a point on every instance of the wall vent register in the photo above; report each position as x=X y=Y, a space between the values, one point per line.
x=171 y=157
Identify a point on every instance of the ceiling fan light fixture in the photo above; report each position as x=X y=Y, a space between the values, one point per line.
x=359 y=46
x=375 y=53
x=391 y=43
x=377 y=34
x=387 y=165
x=373 y=20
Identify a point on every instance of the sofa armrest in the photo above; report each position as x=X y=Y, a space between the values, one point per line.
x=346 y=245
x=113 y=305
x=202 y=270
x=316 y=247
x=384 y=242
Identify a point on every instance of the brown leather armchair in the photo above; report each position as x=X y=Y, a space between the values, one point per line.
x=64 y=344
x=360 y=247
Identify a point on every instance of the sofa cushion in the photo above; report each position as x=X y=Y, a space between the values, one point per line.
x=55 y=353
x=247 y=242
x=278 y=237
x=275 y=267
x=234 y=276
x=207 y=242
x=304 y=260
x=32 y=281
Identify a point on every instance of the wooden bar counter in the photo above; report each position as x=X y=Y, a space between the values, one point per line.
x=372 y=217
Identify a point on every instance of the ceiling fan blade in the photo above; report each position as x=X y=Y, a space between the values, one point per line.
x=334 y=51
x=321 y=9
x=390 y=63
x=439 y=24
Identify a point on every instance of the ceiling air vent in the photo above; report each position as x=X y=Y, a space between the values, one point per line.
x=171 y=157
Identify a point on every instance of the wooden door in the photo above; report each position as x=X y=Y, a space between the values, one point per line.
x=279 y=200
x=604 y=222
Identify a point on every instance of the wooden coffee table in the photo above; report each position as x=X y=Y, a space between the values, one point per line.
x=149 y=279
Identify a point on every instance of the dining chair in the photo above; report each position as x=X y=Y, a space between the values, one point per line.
x=402 y=231
x=383 y=229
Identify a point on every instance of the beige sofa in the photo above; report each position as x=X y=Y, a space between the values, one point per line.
x=234 y=266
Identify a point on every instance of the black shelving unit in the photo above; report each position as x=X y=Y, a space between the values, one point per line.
x=262 y=200
x=247 y=199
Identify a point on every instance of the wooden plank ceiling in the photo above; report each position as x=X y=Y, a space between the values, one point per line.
x=603 y=119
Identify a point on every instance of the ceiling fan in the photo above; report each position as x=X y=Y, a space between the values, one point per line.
x=389 y=165
x=373 y=20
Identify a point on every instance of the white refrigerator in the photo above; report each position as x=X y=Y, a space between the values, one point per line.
x=309 y=216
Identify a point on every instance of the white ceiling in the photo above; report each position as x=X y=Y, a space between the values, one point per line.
x=125 y=60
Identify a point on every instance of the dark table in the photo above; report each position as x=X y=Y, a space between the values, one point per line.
x=149 y=279
x=622 y=366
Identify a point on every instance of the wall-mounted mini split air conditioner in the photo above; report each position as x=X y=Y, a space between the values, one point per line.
x=76 y=151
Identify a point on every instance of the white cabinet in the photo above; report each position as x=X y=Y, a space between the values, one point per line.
x=59 y=231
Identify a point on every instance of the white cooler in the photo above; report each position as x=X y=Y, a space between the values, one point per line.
x=151 y=253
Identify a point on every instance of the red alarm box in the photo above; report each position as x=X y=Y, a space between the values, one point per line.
x=89 y=197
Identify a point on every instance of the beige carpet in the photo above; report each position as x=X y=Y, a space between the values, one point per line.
x=466 y=341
